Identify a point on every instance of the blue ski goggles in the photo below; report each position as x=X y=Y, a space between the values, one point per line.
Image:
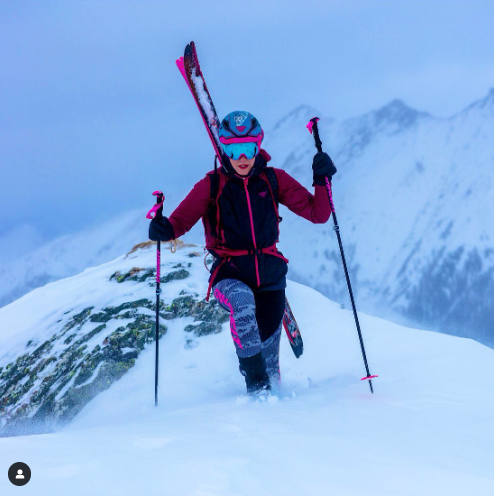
x=237 y=150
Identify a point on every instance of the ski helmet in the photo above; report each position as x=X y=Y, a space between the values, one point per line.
x=240 y=135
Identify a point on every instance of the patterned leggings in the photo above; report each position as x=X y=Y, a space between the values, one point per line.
x=255 y=320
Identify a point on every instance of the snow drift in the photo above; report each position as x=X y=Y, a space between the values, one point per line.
x=427 y=430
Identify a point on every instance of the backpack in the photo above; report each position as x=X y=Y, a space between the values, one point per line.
x=215 y=191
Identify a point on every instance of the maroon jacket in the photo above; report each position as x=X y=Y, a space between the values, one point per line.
x=244 y=240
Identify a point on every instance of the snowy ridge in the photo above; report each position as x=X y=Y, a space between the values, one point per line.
x=71 y=254
x=427 y=430
x=414 y=196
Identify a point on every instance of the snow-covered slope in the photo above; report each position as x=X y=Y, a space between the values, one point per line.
x=63 y=344
x=414 y=197
x=427 y=430
x=70 y=254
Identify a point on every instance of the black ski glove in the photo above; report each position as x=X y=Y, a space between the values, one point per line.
x=322 y=166
x=161 y=230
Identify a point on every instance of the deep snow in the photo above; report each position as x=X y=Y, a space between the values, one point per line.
x=427 y=430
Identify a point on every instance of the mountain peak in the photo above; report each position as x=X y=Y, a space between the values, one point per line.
x=396 y=103
x=485 y=103
x=397 y=112
x=301 y=113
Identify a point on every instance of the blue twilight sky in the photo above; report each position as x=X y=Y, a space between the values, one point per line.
x=94 y=114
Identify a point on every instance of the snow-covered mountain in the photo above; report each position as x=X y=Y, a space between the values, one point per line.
x=414 y=197
x=64 y=343
x=70 y=254
x=78 y=349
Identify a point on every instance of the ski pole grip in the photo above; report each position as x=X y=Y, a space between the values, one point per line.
x=160 y=198
x=314 y=130
x=157 y=211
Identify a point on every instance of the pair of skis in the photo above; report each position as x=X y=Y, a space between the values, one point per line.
x=190 y=69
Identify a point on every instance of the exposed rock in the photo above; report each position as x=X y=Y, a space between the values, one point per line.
x=46 y=387
x=135 y=275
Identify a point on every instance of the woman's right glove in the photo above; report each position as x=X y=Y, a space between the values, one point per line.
x=161 y=229
x=322 y=166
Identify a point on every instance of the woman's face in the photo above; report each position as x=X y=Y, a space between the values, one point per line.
x=243 y=166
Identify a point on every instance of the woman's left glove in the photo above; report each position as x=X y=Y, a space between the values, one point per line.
x=322 y=166
x=161 y=230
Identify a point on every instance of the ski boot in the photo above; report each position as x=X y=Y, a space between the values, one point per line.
x=256 y=378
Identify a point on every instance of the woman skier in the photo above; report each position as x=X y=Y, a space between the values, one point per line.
x=238 y=204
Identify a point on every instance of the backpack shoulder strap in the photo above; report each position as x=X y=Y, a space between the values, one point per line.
x=217 y=182
x=214 y=181
x=273 y=183
x=274 y=188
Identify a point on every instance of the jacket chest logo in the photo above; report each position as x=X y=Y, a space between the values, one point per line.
x=263 y=194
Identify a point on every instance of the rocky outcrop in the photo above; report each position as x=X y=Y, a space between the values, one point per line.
x=45 y=387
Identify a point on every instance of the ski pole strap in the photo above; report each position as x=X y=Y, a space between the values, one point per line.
x=313 y=129
x=157 y=207
x=311 y=124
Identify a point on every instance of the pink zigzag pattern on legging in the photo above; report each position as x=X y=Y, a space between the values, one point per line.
x=223 y=299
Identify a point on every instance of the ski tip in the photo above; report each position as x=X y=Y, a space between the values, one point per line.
x=192 y=47
x=196 y=58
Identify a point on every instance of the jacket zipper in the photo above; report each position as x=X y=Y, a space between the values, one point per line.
x=246 y=182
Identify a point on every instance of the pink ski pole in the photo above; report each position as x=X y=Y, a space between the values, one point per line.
x=313 y=129
x=157 y=212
